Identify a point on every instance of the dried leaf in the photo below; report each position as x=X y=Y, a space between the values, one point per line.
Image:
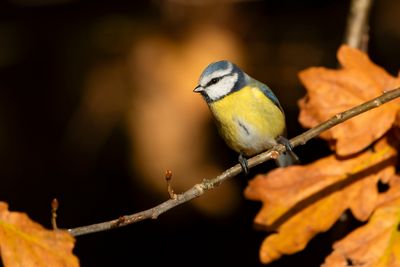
x=376 y=244
x=333 y=91
x=301 y=201
x=26 y=243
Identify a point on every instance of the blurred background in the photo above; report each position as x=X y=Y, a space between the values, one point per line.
x=96 y=103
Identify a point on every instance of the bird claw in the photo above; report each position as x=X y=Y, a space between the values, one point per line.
x=244 y=164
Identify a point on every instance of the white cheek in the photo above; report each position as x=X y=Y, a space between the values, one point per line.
x=222 y=88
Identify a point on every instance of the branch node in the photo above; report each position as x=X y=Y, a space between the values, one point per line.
x=200 y=187
x=338 y=116
x=121 y=220
x=377 y=102
x=275 y=154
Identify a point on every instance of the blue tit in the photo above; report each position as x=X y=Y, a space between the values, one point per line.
x=248 y=115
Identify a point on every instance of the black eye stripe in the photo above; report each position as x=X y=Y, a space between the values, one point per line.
x=213 y=81
x=217 y=79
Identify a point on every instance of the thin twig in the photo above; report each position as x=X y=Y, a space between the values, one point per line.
x=54 y=208
x=168 y=178
x=357 y=27
x=208 y=184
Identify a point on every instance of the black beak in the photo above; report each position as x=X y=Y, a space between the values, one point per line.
x=198 y=89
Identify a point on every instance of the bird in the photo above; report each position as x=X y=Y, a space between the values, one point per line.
x=247 y=113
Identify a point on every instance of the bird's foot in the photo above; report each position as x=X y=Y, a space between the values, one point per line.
x=289 y=148
x=284 y=141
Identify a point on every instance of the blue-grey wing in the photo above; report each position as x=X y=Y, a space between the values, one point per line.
x=268 y=92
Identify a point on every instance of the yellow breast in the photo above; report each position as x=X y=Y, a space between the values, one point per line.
x=248 y=120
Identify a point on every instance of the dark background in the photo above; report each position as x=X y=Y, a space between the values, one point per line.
x=46 y=52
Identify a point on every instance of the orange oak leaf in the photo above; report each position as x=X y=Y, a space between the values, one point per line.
x=376 y=244
x=330 y=92
x=301 y=201
x=26 y=243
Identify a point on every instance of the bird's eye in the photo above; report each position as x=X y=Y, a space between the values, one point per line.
x=213 y=81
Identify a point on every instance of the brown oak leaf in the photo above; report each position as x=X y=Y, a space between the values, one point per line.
x=330 y=92
x=376 y=244
x=301 y=201
x=26 y=243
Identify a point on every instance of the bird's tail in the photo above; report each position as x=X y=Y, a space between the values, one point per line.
x=287 y=158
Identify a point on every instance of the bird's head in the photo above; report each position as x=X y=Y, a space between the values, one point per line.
x=220 y=79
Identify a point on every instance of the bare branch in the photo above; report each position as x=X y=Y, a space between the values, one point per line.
x=208 y=184
x=357 y=24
